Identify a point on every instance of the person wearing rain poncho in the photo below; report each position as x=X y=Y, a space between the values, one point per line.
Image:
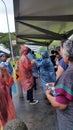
x=31 y=56
x=7 y=111
x=25 y=72
x=47 y=73
x=7 y=65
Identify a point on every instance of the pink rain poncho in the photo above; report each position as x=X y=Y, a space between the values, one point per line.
x=7 y=111
x=25 y=69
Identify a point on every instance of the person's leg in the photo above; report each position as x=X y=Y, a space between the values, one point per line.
x=43 y=84
x=30 y=95
x=34 y=86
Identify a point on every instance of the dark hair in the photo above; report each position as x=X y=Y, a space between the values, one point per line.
x=56 y=52
x=33 y=52
x=52 y=51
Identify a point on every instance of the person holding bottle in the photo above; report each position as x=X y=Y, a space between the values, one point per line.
x=63 y=102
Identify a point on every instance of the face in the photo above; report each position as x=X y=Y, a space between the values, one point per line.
x=4 y=58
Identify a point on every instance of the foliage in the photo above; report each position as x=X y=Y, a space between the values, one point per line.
x=54 y=44
x=16 y=49
x=4 y=38
x=42 y=49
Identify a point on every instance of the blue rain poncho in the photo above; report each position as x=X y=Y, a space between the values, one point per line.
x=46 y=70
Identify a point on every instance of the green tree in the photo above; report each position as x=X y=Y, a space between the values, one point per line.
x=4 y=39
x=16 y=49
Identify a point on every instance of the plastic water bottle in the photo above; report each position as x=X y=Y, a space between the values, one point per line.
x=52 y=90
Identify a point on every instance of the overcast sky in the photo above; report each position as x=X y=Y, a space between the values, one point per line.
x=10 y=13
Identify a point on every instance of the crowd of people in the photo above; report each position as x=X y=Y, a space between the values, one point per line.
x=54 y=70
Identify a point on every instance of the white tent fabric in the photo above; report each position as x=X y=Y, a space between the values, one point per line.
x=3 y=49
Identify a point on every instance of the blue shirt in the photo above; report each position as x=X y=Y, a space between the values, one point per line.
x=63 y=64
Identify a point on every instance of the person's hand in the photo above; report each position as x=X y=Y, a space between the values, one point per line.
x=48 y=88
x=5 y=71
x=33 y=61
x=51 y=84
x=48 y=92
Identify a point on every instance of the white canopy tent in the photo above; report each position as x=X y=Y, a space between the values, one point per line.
x=3 y=49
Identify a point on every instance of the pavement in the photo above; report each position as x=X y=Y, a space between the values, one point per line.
x=40 y=116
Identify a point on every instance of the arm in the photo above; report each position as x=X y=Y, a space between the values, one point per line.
x=54 y=103
x=8 y=78
x=26 y=63
x=59 y=72
x=61 y=68
x=41 y=63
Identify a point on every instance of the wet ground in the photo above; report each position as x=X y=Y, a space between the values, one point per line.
x=37 y=117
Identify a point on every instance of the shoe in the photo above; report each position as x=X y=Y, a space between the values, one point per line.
x=34 y=102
